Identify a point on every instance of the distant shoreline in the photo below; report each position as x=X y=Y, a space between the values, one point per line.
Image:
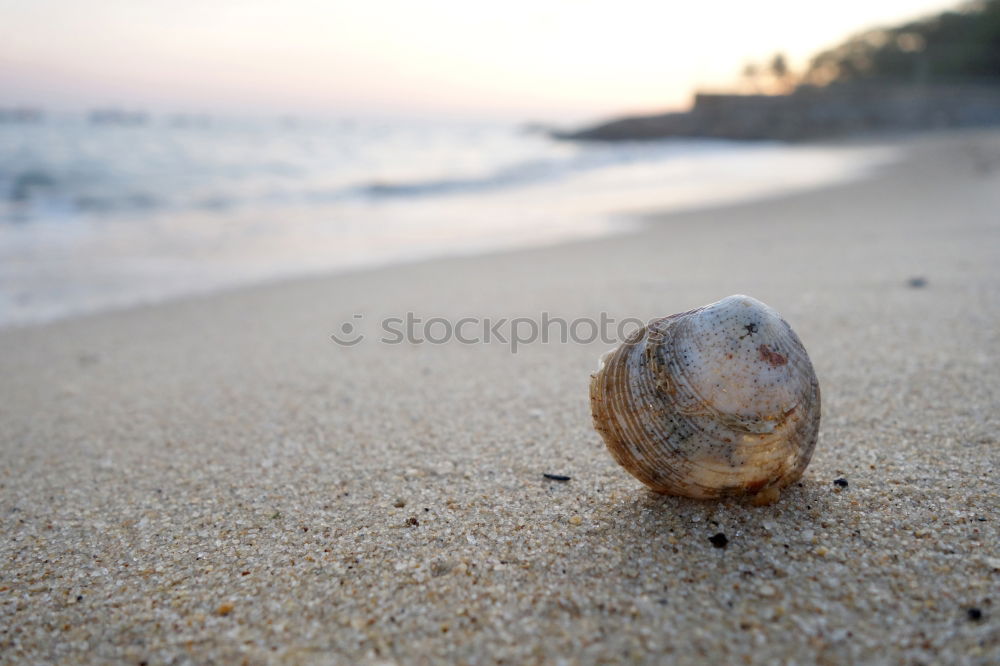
x=811 y=113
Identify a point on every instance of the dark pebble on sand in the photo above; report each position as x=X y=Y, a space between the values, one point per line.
x=556 y=477
x=975 y=614
x=916 y=282
x=842 y=482
x=719 y=540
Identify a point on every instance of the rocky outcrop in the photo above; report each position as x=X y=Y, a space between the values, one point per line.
x=811 y=113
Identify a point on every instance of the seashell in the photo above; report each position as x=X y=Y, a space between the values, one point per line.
x=714 y=402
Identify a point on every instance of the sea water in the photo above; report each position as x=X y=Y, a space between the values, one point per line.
x=97 y=215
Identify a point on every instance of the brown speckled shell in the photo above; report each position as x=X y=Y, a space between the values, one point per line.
x=719 y=401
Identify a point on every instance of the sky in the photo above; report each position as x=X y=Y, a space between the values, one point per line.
x=538 y=59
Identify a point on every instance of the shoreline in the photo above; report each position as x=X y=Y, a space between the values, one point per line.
x=213 y=479
x=613 y=210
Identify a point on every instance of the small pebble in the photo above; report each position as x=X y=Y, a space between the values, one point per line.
x=842 y=482
x=766 y=497
x=916 y=282
x=224 y=610
x=719 y=540
x=556 y=477
x=399 y=503
x=975 y=614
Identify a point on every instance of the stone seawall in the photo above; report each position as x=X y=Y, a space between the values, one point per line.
x=812 y=113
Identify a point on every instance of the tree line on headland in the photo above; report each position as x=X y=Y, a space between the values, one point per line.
x=956 y=46
x=941 y=71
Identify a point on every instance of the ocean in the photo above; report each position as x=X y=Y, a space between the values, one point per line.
x=111 y=211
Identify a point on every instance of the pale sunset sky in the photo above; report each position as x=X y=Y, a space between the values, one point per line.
x=544 y=59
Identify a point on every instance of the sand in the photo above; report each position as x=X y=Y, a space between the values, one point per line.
x=215 y=480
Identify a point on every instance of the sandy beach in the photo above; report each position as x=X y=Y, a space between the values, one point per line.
x=215 y=480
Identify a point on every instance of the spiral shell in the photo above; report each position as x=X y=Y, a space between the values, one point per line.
x=714 y=402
